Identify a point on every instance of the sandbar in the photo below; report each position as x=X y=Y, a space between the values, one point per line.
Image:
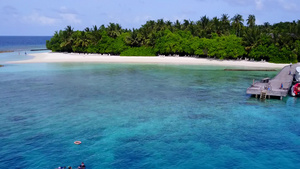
x=6 y=51
x=52 y=57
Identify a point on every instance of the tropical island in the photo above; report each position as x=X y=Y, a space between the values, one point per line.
x=219 y=38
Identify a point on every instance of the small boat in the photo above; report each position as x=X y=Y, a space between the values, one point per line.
x=295 y=90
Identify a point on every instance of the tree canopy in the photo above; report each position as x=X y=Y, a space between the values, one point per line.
x=221 y=38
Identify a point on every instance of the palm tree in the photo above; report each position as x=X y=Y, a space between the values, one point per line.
x=94 y=35
x=147 y=32
x=225 y=23
x=149 y=26
x=216 y=25
x=55 y=43
x=144 y=33
x=81 y=41
x=114 y=30
x=87 y=29
x=251 y=37
x=168 y=25
x=102 y=28
x=237 y=23
x=95 y=28
x=67 y=39
x=177 y=25
x=294 y=29
x=69 y=30
x=251 y=21
x=192 y=28
x=160 y=25
x=204 y=26
x=266 y=27
x=185 y=24
x=204 y=22
x=133 y=39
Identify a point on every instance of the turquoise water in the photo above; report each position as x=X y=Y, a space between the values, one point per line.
x=142 y=116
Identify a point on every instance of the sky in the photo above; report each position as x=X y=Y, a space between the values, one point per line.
x=44 y=17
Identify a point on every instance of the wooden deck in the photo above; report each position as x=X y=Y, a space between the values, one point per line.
x=272 y=87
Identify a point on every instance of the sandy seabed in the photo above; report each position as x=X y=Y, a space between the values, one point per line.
x=97 y=58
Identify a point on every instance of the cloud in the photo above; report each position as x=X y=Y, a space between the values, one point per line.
x=66 y=10
x=141 y=19
x=70 y=18
x=59 y=16
x=239 y=2
x=289 y=5
x=259 y=4
x=9 y=14
x=9 y=10
x=39 y=19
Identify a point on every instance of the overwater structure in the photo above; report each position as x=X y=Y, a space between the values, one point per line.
x=279 y=86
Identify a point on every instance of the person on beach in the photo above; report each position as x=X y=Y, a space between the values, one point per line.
x=281 y=86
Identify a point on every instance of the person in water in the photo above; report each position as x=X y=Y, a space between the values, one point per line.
x=82 y=166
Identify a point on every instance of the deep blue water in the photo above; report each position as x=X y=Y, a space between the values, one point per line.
x=142 y=116
x=16 y=43
x=20 y=45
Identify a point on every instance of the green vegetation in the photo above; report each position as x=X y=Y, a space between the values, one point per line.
x=220 y=38
x=138 y=51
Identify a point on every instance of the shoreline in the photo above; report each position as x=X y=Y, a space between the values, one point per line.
x=50 y=57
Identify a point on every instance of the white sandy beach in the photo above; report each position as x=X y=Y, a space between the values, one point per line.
x=97 y=58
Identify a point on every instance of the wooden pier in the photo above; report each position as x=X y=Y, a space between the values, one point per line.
x=279 y=86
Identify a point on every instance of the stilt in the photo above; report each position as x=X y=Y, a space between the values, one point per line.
x=263 y=95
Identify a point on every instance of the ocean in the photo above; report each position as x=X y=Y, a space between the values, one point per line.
x=142 y=116
x=21 y=45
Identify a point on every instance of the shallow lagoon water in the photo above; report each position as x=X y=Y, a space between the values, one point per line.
x=142 y=116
